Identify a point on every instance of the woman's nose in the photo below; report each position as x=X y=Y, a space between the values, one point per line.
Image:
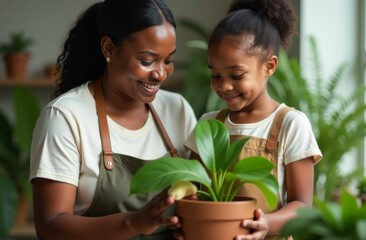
x=159 y=73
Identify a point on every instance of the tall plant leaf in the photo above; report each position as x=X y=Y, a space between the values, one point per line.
x=157 y=175
x=212 y=141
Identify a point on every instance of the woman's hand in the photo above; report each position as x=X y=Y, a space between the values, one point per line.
x=259 y=227
x=149 y=218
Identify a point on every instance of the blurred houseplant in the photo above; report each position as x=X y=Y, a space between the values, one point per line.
x=220 y=173
x=16 y=55
x=343 y=220
x=15 y=143
x=197 y=77
x=337 y=121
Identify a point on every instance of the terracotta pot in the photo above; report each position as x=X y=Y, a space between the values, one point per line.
x=16 y=65
x=214 y=220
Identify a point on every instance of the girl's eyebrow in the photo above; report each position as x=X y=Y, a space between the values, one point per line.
x=230 y=67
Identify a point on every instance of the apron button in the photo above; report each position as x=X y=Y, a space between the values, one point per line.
x=109 y=163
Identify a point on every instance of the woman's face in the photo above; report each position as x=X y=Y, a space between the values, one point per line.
x=142 y=62
x=237 y=78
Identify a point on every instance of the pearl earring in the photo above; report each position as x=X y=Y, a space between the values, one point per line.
x=108 y=60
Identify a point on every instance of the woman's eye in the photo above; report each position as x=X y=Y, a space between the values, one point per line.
x=215 y=76
x=146 y=63
x=168 y=62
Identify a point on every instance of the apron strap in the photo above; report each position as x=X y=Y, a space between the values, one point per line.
x=104 y=131
x=221 y=116
x=164 y=134
x=103 y=125
x=275 y=128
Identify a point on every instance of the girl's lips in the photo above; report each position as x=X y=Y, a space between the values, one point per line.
x=229 y=99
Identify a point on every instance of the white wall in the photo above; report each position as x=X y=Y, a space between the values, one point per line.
x=334 y=24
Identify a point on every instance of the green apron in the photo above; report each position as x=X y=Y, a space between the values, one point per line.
x=116 y=170
x=267 y=148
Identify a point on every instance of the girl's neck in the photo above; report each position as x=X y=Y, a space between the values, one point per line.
x=254 y=113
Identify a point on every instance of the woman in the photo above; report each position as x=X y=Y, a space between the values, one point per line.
x=105 y=123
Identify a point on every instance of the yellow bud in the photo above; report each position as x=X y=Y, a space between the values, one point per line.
x=182 y=189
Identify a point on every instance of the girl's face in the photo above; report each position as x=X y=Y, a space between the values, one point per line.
x=141 y=63
x=237 y=78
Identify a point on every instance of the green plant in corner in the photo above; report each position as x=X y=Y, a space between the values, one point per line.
x=220 y=172
x=345 y=220
x=15 y=142
x=337 y=121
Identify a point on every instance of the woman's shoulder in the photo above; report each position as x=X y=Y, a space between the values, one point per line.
x=79 y=97
x=170 y=100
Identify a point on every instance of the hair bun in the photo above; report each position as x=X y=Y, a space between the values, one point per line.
x=279 y=12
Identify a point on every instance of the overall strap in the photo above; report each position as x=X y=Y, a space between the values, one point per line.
x=221 y=116
x=164 y=134
x=276 y=127
x=103 y=125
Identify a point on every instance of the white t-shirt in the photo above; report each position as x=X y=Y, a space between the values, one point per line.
x=296 y=139
x=66 y=142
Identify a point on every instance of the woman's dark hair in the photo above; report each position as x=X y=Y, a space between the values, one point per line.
x=264 y=25
x=81 y=59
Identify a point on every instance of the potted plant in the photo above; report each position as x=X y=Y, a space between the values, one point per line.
x=15 y=142
x=16 y=55
x=344 y=220
x=220 y=174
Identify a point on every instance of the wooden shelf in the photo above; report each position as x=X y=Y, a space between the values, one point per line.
x=34 y=82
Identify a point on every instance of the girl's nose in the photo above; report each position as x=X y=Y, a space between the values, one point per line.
x=225 y=85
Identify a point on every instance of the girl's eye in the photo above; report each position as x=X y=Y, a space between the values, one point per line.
x=146 y=63
x=237 y=76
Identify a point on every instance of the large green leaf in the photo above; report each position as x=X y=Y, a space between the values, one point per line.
x=269 y=187
x=161 y=173
x=233 y=152
x=253 y=168
x=212 y=141
x=27 y=110
x=8 y=205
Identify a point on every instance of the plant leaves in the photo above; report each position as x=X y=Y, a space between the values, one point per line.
x=8 y=205
x=233 y=152
x=269 y=186
x=161 y=173
x=253 y=168
x=27 y=110
x=212 y=141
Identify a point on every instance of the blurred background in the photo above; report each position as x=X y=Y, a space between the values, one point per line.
x=323 y=74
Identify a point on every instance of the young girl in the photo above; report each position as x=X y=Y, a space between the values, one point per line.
x=242 y=55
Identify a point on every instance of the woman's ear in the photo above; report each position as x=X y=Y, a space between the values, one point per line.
x=107 y=46
x=271 y=65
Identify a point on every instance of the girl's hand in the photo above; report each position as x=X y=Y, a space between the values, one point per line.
x=259 y=227
x=149 y=218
